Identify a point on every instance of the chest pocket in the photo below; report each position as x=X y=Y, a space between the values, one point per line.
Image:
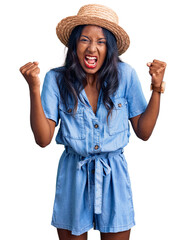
x=72 y=125
x=118 y=122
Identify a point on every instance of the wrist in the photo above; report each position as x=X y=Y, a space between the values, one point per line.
x=158 y=88
x=34 y=90
x=156 y=85
x=156 y=93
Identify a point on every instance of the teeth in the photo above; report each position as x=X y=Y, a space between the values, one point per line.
x=91 y=57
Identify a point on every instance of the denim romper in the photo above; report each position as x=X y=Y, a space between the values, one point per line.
x=93 y=188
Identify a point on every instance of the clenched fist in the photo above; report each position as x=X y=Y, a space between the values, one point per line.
x=157 y=70
x=30 y=71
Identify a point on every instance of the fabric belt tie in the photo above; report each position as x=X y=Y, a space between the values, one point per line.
x=101 y=169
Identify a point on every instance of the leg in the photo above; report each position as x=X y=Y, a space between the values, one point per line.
x=66 y=235
x=116 y=236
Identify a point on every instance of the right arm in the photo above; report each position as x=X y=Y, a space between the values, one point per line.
x=43 y=128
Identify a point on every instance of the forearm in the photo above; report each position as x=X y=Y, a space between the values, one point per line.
x=148 y=119
x=39 y=123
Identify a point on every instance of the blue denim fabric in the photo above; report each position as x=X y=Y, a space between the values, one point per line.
x=93 y=184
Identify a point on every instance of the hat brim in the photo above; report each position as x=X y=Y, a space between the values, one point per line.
x=66 y=25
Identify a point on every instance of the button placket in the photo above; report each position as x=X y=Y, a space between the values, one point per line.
x=96 y=135
x=96 y=125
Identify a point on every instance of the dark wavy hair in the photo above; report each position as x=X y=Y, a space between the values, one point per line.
x=74 y=77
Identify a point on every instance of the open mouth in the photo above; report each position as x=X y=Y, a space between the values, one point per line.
x=90 y=61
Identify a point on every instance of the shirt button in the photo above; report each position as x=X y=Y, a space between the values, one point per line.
x=96 y=147
x=96 y=125
x=93 y=171
x=119 y=105
x=69 y=110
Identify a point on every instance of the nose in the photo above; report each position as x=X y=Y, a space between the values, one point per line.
x=92 y=47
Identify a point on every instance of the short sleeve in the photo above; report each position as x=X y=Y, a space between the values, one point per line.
x=136 y=99
x=50 y=97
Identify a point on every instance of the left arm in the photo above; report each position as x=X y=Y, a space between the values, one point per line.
x=144 y=123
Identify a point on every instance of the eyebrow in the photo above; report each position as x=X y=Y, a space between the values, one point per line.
x=84 y=36
x=88 y=37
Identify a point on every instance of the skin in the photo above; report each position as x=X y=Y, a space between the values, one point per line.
x=93 y=43
x=144 y=123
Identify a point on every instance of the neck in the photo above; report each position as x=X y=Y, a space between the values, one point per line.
x=91 y=79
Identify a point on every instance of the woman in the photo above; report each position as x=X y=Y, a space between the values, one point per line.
x=93 y=95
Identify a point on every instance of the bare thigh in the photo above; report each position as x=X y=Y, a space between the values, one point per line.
x=66 y=235
x=116 y=236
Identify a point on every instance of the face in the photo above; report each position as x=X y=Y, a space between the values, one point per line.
x=91 y=49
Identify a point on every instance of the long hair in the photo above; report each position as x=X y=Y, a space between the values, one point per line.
x=74 y=76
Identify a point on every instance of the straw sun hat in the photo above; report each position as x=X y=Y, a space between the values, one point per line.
x=94 y=14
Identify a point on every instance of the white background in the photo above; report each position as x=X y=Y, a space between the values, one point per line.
x=157 y=167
